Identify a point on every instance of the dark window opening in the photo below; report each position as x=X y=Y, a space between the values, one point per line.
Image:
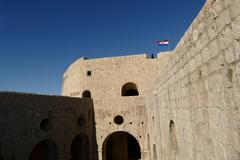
x=130 y=89
x=118 y=119
x=46 y=150
x=86 y=94
x=46 y=125
x=89 y=73
x=81 y=122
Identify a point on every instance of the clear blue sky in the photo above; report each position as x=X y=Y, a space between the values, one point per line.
x=39 y=39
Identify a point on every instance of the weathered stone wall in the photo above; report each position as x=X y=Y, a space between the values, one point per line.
x=108 y=75
x=194 y=107
x=21 y=117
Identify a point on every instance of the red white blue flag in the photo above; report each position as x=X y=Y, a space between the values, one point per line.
x=163 y=42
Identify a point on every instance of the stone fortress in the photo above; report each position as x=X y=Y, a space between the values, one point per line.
x=183 y=104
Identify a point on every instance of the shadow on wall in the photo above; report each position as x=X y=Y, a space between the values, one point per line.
x=83 y=146
x=49 y=128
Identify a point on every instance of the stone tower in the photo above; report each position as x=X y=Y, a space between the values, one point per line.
x=118 y=87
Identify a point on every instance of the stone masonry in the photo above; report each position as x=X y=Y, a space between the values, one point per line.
x=180 y=105
x=199 y=90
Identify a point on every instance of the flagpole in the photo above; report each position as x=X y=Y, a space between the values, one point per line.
x=168 y=43
x=169 y=46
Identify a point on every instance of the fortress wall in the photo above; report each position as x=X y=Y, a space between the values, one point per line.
x=199 y=90
x=108 y=75
x=21 y=116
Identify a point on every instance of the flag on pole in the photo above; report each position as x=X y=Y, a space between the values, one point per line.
x=163 y=43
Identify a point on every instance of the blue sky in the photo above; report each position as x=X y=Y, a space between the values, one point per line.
x=39 y=39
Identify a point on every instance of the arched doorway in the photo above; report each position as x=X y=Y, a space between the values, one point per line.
x=80 y=147
x=46 y=150
x=121 y=146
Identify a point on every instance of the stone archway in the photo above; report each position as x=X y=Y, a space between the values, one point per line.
x=46 y=150
x=121 y=146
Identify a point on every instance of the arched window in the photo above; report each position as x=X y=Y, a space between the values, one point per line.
x=130 y=89
x=86 y=94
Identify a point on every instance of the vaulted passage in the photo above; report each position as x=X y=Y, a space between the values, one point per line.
x=45 y=150
x=80 y=147
x=121 y=146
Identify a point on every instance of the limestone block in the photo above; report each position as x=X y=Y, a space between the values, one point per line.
x=223 y=19
x=192 y=65
x=213 y=48
x=212 y=30
x=234 y=6
x=198 y=46
x=225 y=38
x=227 y=2
x=205 y=53
x=220 y=152
x=204 y=39
x=230 y=55
x=215 y=64
x=198 y=60
x=195 y=35
x=217 y=7
x=232 y=154
x=236 y=44
x=236 y=28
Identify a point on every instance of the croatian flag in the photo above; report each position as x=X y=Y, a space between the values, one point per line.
x=163 y=42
